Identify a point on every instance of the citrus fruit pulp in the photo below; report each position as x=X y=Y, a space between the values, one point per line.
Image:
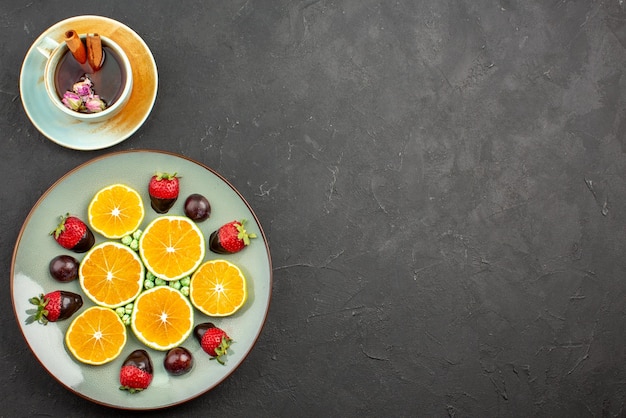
x=96 y=336
x=172 y=247
x=116 y=211
x=162 y=318
x=111 y=274
x=218 y=288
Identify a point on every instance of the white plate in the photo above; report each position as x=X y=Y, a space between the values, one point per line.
x=35 y=248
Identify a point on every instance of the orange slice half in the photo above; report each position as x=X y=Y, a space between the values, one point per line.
x=116 y=211
x=172 y=247
x=162 y=318
x=96 y=336
x=218 y=288
x=111 y=274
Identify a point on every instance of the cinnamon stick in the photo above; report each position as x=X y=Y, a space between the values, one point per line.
x=76 y=46
x=94 y=51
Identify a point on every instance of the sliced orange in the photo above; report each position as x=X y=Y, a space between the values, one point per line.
x=111 y=274
x=116 y=211
x=172 y=247
x=96 y=336
x=162 y=318
x=218 y=288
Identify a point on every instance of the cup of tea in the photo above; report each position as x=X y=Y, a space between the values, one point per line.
x=110 y=86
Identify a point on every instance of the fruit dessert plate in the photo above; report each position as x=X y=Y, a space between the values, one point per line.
x=53 y=344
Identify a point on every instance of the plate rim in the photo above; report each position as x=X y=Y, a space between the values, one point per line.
x=77 y=168
x=124 y=135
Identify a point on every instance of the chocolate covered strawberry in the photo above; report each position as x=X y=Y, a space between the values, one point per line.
x=213 y=340
x=136 y=372
x=73 y=234
x=163 y=190
x=54 y=306
x=230 y=238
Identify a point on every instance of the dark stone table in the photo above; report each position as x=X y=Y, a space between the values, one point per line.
x=442 y=184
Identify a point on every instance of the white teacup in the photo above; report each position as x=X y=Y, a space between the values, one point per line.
x=54 y=52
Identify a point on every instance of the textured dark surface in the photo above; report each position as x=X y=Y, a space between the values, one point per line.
x=442 y=184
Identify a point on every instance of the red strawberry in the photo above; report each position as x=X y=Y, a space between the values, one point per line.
x=163 y=190
x=73 y=234
x=136 y=372
x=54 y=306
x=230 y=238
x=214 y=341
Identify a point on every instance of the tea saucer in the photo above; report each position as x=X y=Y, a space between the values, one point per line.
x=69 y=132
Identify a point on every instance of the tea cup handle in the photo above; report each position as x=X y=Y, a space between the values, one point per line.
x=46 y=46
